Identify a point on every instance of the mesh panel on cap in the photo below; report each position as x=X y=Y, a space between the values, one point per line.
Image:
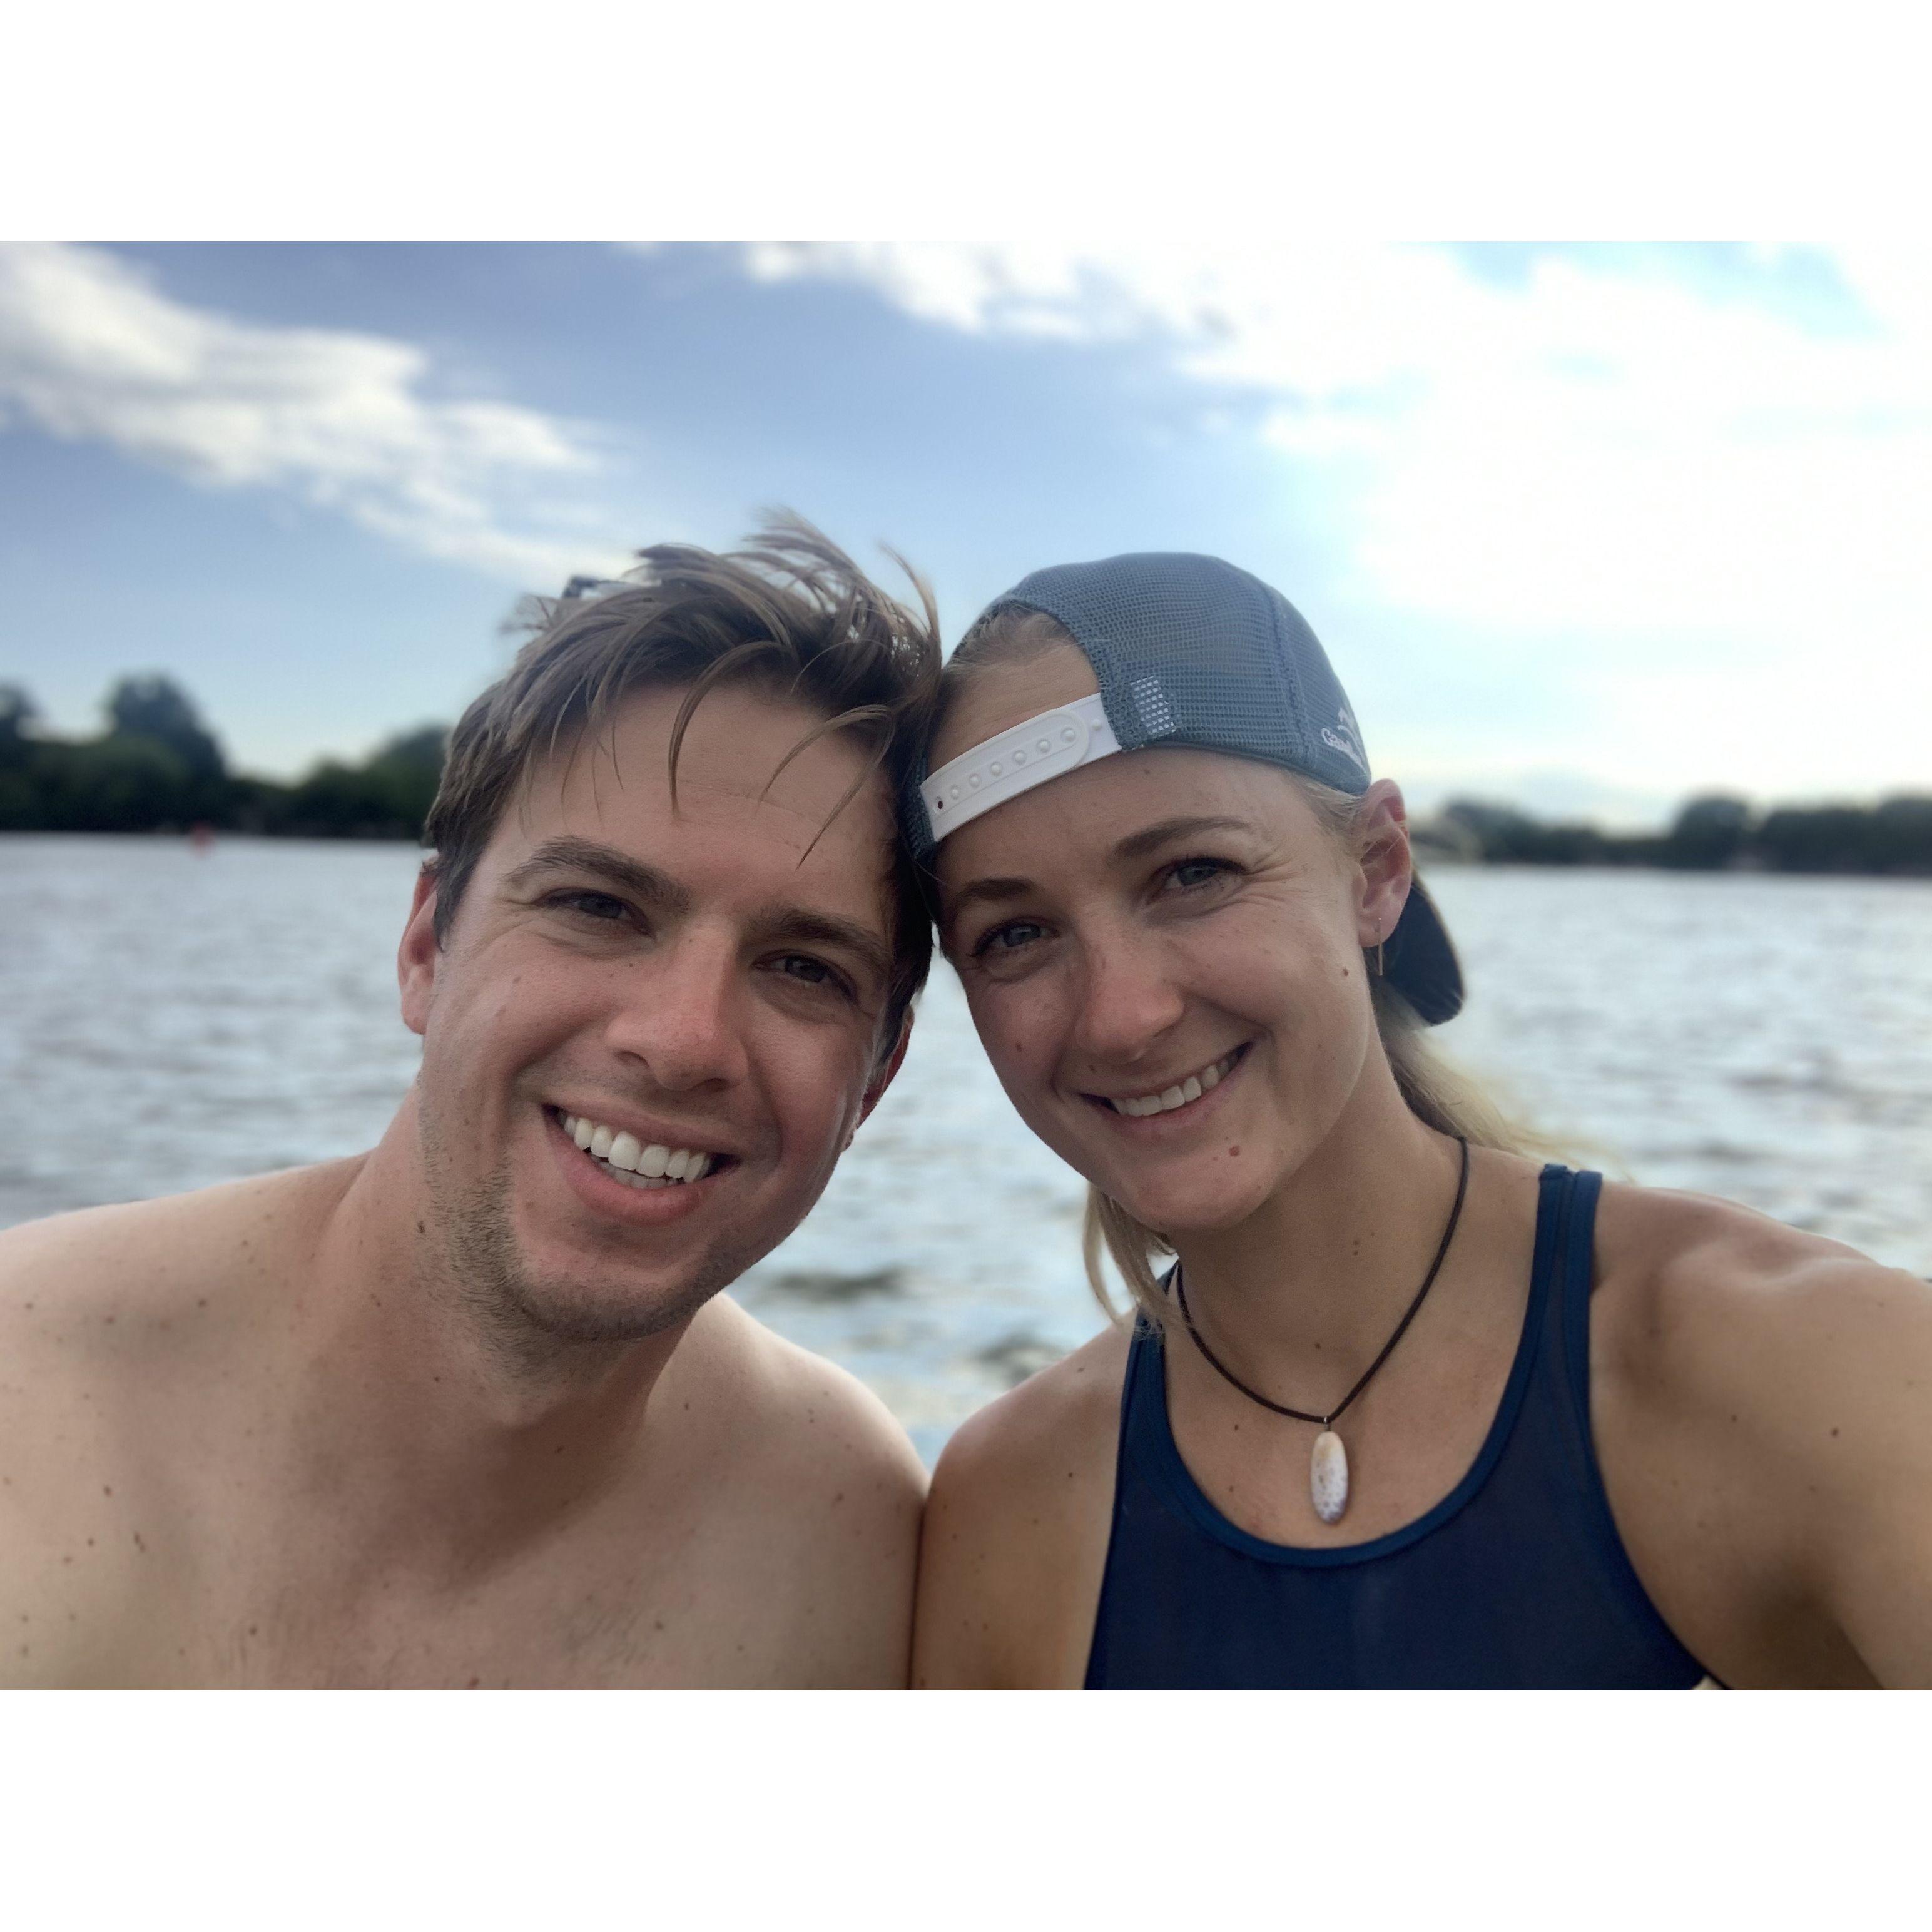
x=1190 y=650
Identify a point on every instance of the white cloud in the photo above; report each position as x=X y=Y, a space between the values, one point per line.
x=91 y=351
x=1692 y=476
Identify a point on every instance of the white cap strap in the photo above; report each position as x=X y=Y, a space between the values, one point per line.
x=1046 y=747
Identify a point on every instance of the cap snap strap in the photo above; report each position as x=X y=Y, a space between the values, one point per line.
x=1046 y=747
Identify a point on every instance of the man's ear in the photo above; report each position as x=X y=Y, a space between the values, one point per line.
x=1388 y=866
x=875 y=1087
x=419 y=954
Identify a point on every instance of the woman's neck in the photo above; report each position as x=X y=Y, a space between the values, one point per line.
x=1325 y=1267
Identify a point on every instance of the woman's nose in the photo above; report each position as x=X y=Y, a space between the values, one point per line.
x=1129 y=1002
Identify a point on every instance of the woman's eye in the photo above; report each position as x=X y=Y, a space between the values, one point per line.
x=1190 y=873
x=1009 y=938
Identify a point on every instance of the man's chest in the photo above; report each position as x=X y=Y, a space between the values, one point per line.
x=583 y=1613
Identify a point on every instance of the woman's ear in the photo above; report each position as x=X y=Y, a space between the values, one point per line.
x=1388 y=866
x=418 y=955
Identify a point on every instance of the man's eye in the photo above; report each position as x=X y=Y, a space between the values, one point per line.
x=599 y=906
x=810 y=972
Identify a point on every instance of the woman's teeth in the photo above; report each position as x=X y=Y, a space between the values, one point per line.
x=1192 y=1088
x=626 y=1158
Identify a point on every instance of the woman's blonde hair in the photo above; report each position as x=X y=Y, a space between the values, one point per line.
x=1437 y=1091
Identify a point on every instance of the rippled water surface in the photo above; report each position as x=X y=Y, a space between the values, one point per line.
x=169 y=1019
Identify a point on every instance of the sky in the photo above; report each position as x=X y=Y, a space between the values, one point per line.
x=1588 y=529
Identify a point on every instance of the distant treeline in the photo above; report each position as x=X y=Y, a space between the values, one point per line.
x=1714 y=833
x=157 y=768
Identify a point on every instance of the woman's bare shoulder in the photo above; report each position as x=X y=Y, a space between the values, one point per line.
x=1068 y=1409
x=1784 y=1381
x=1683 y=1276
x=1016 y=1535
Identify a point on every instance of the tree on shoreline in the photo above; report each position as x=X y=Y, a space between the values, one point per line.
x=152 y=706
x=18 y=715
x=1713 y=832
x=158 y=768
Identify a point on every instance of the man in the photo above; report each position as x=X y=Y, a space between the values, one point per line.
x=469 y=1409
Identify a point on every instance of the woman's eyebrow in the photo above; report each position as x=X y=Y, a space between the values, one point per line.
x=984 y=892
x=1139 y=845
x=1136 y=845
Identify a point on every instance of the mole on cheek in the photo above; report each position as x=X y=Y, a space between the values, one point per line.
x=1234 y=1154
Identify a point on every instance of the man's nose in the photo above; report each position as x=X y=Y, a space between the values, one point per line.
x=1129 y=999
x=681 y=1016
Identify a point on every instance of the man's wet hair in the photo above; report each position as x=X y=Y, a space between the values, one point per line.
x=789 y=613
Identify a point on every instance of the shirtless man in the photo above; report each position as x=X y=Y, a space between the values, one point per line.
x=469 y=1409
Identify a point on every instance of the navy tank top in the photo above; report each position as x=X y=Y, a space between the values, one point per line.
x=1516 y=1579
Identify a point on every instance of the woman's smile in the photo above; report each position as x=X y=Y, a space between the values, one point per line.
x=1178 y=1100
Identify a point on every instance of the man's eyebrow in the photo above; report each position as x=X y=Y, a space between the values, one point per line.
x=796 y=926
x=615 y=868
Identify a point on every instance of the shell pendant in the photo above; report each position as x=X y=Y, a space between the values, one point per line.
x=1328 y=1477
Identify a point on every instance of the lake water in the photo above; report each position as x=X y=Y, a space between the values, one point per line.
x=169 y=1019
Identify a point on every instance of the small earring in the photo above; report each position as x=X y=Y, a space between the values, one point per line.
x=1382 y=972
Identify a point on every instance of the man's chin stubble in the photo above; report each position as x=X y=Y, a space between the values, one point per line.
x=525 y=1316
x=529 y=1317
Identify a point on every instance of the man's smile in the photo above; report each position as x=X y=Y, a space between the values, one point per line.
x=650 y=1182
x=643 y=1163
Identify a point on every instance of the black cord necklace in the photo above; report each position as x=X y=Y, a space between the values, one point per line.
x=1328 y=1465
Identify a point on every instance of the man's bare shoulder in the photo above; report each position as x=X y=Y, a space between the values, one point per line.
x=811 y=1492
x=106 y=1303
x=92 y=1298
x=1016 y=1530
x=793 y=1410
x=115 y=1324
x=153 y=1260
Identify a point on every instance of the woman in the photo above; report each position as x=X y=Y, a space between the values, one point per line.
x=1408 y=1409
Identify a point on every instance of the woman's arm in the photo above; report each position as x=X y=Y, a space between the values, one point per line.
x=1763 y=1400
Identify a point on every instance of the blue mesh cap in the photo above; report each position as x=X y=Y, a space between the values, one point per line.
x=1189 y=650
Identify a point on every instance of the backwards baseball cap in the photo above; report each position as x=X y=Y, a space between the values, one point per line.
x=1187 y=650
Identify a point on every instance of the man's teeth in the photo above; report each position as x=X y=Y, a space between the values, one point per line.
x=628 y=1160
x=1192 y=1088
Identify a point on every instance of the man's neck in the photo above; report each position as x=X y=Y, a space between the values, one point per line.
x=435 y=1416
